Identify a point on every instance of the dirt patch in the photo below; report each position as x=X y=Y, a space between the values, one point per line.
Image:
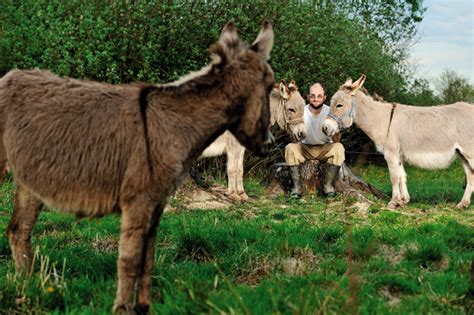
x=362 y=207
x=214 y=197
x=392 y=296
x=393 y=256
x=301 y=262
x=105 y=244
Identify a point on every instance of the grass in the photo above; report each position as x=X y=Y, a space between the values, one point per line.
x=268 y=256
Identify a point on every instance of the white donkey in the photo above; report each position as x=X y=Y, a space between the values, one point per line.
x=286 y=109
x=428 y=136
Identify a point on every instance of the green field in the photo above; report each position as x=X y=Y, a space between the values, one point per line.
x=268 y=256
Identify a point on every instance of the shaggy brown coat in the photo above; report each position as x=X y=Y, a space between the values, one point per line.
x=94 y=148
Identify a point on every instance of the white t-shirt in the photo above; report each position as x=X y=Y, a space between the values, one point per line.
x=314 y=125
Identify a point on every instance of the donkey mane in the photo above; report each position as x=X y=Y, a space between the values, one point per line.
x=209 y=76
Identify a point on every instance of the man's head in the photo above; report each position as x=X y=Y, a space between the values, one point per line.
x=317 y=95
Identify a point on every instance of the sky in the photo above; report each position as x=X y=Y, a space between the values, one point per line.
x=446 y=37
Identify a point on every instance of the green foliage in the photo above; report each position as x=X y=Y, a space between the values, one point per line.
x=330 y=234
x=125 y=41
x=363 y=243
x=148 y=41
x=194 y=247
x=419 y=93
x=114 y=42
x=428 y=250
x=425 y=186
x=394 y=21
x=266 y=256
x=453 y=87
x=396 y=283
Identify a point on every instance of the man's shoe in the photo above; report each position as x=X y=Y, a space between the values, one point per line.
x=331 y=174
x=295 y=177
x=295 y=195
x=331 y=194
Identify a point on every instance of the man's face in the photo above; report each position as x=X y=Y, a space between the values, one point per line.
x=316 y=95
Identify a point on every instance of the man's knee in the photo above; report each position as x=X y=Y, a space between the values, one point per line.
x=339 y=148
x=291 y=146
x=292 y=154
x=291 y=149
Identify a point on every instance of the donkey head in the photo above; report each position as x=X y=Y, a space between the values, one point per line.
x=289 y=110
x=343 y=105
x=248 y=80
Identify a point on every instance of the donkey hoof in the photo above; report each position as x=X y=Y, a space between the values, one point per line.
x=243 y=196
x=120 y=309
x=463 y=205
x=142 y=309
x=393 y=205
x=234 y=197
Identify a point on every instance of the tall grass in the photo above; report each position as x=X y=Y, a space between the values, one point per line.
x=267 y=256
x=425 y=186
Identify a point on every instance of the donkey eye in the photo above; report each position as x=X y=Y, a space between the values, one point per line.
x=338 y=105
x=292 y=110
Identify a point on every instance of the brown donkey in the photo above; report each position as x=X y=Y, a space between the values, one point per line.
x=93 y=148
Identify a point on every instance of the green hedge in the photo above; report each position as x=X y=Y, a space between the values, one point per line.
x=116 y=41
x=159 y=41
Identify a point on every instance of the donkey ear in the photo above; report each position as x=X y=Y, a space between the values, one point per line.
x=377 y=97
x=229 y=35
x=264 y=42
x=348 y=83
x=227 y=46
x=357 y=84
x=292 y=86
x=283 y=89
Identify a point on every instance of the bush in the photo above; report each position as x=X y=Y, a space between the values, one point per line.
x=125 y=41
x=145 y=40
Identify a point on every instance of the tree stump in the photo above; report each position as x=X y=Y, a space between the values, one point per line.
x=312 y=178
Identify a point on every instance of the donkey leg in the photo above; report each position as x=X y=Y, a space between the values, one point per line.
x=136 y=216
x=144 y=280
x=466 y=198
x=26 y=210
x=232 y=172
x=394 y=170
x=405 y=196
x=240 y=175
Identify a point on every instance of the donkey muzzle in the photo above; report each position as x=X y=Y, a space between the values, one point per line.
x=270 y=139
x=266 y=144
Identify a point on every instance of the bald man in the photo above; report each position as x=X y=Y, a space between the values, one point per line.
x=316 y=145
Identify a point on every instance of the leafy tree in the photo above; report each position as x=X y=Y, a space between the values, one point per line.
x=395 y=21
x=419 y=93
x=148 y=41
x=453 y=87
